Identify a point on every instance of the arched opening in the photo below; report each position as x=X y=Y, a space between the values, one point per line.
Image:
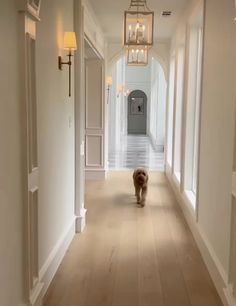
x=137 y=111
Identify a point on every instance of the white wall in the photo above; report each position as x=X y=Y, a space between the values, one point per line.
x=138 y=78
x=211 y=221
x=217 y=127
x=116 y=125
x=56 y=128
x=92 y=28
x=157 y=105
x=134 y=78
x=11 y=277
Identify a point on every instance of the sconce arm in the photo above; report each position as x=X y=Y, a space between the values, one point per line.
x=61 y=63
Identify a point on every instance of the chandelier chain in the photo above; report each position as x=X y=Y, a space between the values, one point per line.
x=139 y=4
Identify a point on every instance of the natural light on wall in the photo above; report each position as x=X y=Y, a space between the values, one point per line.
x=171 y=110
x=184 y=103
x=178 y=112
x=193 y=110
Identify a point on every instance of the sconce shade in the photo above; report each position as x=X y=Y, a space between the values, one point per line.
x=137 y=55
x=70 y=41
x=109 y=81
x=138 y=24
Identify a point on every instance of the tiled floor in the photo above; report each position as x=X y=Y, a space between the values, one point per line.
x=136 y=151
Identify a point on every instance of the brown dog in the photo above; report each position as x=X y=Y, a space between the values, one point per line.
x=140 y=177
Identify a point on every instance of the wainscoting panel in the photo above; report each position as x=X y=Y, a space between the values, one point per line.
x=94 y=150
x=95 y=107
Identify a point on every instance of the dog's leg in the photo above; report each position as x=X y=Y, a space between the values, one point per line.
x=143 y=196
x=137 y=194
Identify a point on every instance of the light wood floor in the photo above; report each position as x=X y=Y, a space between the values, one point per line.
x=131 y=256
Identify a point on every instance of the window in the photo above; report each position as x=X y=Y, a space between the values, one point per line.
x=193 y=108
x=197 y=113
x=178 y=112
x=170 y=111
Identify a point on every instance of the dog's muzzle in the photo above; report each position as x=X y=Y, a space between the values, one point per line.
x=141 y=179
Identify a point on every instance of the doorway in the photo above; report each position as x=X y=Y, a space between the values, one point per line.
x=94 y=113
x=137 y=112
x=137 y=107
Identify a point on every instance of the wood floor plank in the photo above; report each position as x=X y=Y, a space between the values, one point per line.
x=126 y=284
x=149 y=278
x=173 y=284
x=198 y=282
x=131 y=256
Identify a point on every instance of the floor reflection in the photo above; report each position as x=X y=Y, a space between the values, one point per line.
x=136 y=151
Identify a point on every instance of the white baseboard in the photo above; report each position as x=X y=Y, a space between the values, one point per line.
x=81 y=220
x=229 y=296
x=95 y=174
x=214 y=266
x=158 y=147
x=54 y=259
x=36 y=296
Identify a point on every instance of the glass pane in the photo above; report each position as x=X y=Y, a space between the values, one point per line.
x=138 y=28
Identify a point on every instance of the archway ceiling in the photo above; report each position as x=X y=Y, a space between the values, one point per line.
x=110 y=15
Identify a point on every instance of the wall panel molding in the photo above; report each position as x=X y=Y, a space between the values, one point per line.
x=91 y=146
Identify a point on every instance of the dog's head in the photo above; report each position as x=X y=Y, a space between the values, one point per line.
x=140 y=176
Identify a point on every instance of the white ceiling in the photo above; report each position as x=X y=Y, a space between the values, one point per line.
x=110 y=14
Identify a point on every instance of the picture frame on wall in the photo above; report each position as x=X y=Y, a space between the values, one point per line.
x=137 y=106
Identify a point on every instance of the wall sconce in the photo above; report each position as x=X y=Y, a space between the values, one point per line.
x=70 y=45
x=119 y=89
x=122 y=88
x=109 y=84
x=127 y=92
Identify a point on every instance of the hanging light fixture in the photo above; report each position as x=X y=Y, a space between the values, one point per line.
x=137 y=55
x=138 y=24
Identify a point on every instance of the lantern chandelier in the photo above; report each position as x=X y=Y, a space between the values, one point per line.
x=138 y=24
x=137 y=55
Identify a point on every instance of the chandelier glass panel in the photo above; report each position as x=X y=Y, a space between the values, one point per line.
x=137 y=55
x=138 y=24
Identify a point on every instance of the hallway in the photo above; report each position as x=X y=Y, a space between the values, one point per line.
x=136 y=151
x=71 y=232
x=130 y=256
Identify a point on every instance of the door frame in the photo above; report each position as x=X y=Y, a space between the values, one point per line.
x=144 y=96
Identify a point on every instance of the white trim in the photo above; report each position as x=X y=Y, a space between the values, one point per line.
x=81 y=220
x=177 y=177
x=158 y=147
x=210 y=258
x=95 y=174
x=54 y=259
x=36 y=296
x=228 y=291
x=101 y=143
x=234 y=184
x=101 y=66
x=191 y=198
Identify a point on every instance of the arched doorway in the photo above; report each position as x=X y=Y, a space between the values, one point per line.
x=133 y=144
x=137 y=112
